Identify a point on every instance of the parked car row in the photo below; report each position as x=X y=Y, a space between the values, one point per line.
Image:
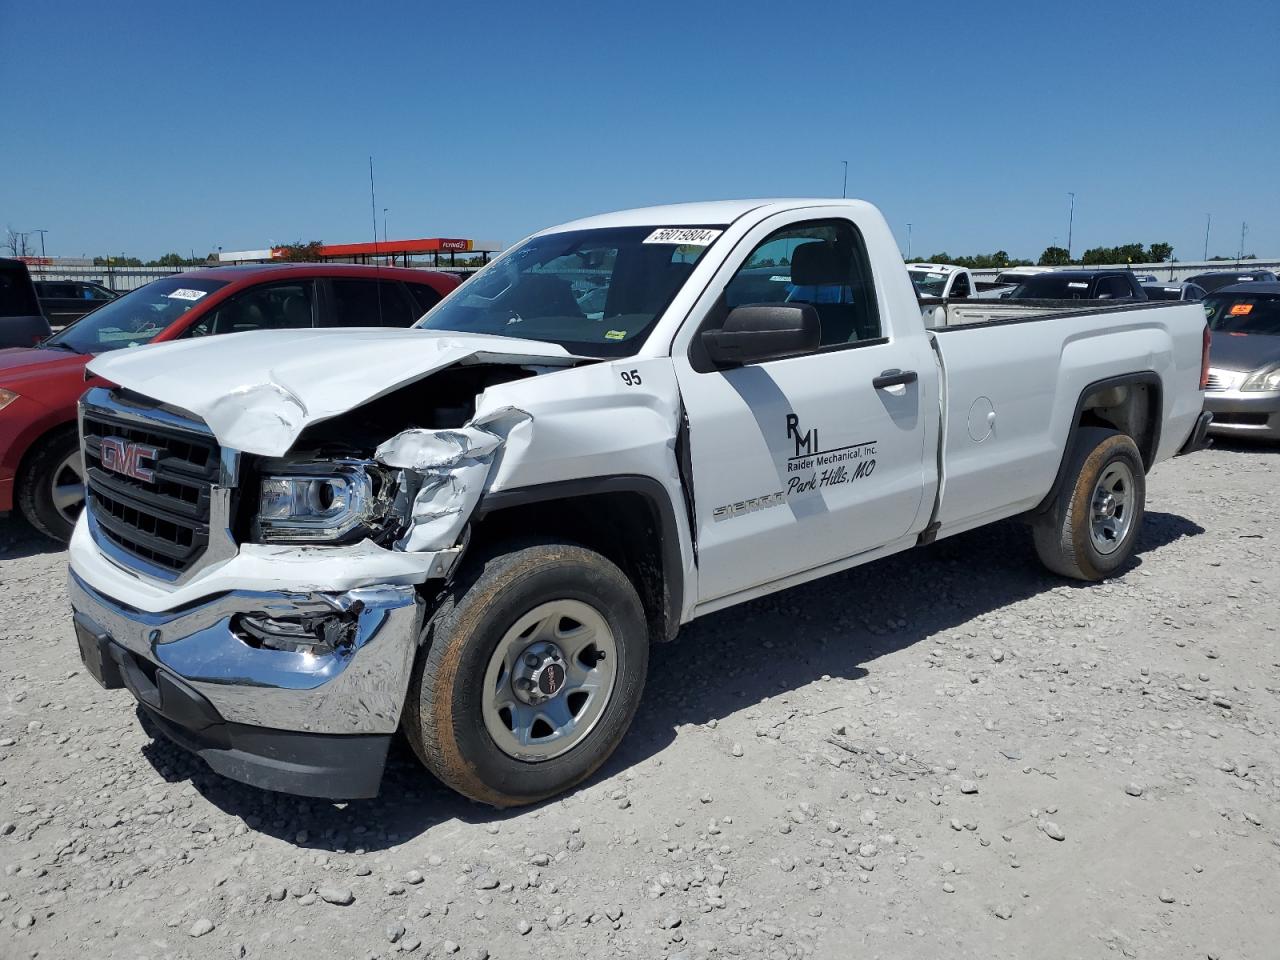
x=947 y=281
x=1242 y=308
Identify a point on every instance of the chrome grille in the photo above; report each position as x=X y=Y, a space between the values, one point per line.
x=162 y=521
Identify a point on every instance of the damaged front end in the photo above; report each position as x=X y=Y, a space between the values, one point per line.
x=442 y=475
x=414 y=494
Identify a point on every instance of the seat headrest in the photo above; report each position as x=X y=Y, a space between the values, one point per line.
x=818 y=264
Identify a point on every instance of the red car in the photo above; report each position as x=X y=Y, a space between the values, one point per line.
x=39 y=386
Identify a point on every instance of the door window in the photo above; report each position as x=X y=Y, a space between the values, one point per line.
x=1112 y=288
x=371 y=303
x=271 y=306
x=424 y=296
x=823 y=263
x=960 y=288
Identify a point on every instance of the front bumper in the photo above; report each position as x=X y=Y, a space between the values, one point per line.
x=1237 y=413
x=317 y=724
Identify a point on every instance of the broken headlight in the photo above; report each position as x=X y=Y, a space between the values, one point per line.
x=329 y=502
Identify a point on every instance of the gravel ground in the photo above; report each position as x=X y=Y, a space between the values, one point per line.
x=948 y=753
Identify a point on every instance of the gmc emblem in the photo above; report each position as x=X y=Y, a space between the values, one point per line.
x=121 y=456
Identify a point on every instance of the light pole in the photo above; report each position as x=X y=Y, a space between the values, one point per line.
x=384 y=224
x=42 y=233
x=844 y=188
x=1208 y=219
x=908 y=243
x=1071 y=218
x=1244 y=228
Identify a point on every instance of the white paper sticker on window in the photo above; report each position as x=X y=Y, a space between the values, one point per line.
x=185 y=294
x=937 y=276
x=693 y=236
x=1080 y=286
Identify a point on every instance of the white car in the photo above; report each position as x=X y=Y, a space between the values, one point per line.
x=296 y=543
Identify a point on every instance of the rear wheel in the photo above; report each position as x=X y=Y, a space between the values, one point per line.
x=50 y=488
x=1091 y=530
x=531 y=672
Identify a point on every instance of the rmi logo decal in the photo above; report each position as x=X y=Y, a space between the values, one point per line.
x=813 y=467
x=807 y=442
x=127 y=459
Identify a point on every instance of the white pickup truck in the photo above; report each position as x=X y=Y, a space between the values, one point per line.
x=298 y=542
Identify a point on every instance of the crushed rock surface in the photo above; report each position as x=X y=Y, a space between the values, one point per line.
x=946 y=753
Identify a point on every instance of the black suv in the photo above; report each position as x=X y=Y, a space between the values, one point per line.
x=67 y=300
x=1222 y=278
x=21 y=322
x=1119 y=285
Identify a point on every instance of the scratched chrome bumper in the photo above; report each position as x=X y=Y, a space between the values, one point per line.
x=356 y=688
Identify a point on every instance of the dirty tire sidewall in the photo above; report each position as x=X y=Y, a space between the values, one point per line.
x=444 y=718
x=1065 y=545
x=34 y=494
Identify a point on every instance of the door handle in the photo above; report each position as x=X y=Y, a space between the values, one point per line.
x=894 y=378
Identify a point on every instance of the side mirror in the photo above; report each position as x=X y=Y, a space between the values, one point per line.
x=768 y=331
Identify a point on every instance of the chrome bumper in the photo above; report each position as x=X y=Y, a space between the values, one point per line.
x=356 y=688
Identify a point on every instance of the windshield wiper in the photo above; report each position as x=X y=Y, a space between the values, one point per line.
x=60 y=345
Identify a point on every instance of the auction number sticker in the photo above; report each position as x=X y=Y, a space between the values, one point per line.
x=1242 y=309
x=184 y=293
x=686 y=236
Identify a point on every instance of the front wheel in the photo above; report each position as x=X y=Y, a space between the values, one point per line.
x=50 y=488
x=531 y=672
x=1092 y=527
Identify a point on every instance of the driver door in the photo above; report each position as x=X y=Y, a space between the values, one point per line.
x=804 y=461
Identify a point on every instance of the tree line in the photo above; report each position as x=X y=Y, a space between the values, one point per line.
x=1055 y=256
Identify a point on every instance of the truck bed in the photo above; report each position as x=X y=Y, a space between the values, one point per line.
x=1013 y=371
x=938 y=313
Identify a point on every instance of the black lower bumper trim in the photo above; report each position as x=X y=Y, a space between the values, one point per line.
x=307 y=764
x=336 y=767
x=1199 y=438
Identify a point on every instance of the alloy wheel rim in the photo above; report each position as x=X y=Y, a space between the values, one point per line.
x=1111 y=508
x=549 y=680
x=66 y=488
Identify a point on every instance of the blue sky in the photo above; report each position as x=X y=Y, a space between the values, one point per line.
x=143 y=128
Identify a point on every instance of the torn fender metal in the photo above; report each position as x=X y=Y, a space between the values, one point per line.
x=445 y=470
x=258 y=391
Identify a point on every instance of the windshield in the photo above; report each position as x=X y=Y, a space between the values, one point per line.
x=1214 y=281
x=928 y=284
x=1162 y=293
x=595 y=292
x=1240 y=313
x=137 y=317
x=1048 y=286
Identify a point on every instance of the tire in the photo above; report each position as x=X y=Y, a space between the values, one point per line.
x=457 y=731
x=1072 y=540
x=51 y=469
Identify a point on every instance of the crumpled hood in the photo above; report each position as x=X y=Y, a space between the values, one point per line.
x=1248 y=353
x=258 y=391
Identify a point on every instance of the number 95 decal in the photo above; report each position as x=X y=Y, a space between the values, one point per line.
x=631 y=378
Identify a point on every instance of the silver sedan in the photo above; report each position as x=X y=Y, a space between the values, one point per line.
x=1243 y=392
